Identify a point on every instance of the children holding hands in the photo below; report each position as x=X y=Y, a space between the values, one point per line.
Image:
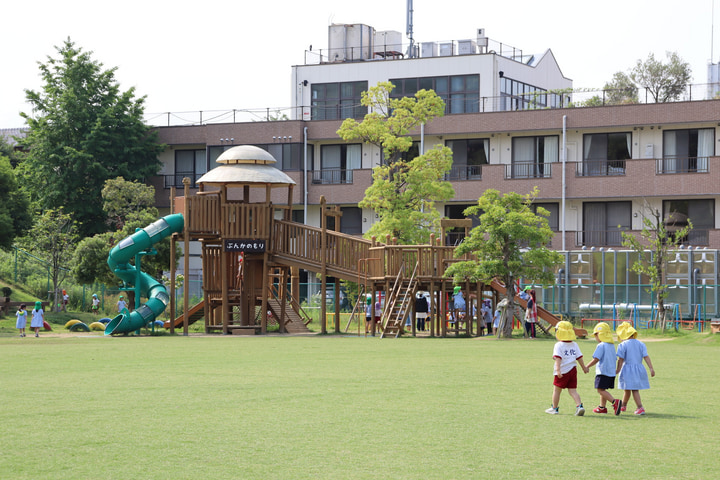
x=565 y=353
x=632 y=376
x=604 y=358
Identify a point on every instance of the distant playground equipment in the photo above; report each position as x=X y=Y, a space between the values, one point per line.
x=97 y=326
x=79 y=327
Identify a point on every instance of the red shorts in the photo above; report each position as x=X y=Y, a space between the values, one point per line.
x=568 y=380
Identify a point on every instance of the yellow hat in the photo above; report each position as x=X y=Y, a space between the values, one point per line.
x=604 y=333
x=625 y=331
x=564 y=331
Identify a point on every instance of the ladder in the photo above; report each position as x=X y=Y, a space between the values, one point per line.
x=398 y=303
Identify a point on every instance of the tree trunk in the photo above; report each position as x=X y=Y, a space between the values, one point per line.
x=661 y=311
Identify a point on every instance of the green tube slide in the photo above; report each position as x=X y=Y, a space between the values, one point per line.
x=119 y=262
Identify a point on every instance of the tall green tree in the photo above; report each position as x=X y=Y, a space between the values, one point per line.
x=657 y=243
x=404 y=190
x=122 y=197
x=15 y=218
x=620 y=90
x=53 y=238
x=664 y=81
x=84 y=130
x=510 y=243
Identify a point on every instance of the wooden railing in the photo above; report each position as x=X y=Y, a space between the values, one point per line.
x=203 y=213
x=246 y=220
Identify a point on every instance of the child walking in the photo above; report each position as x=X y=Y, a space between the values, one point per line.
x=632 y=376
x=604 y=357
x=38 y=318
x=21 y=321
x=565 y=353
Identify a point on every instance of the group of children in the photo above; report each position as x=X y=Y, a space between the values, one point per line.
x=37 y=321
x=632 y=376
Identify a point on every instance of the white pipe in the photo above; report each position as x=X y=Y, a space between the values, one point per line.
x=305 y=175
x=564 y=162
x=591 y=307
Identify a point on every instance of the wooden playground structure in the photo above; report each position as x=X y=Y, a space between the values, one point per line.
x=251 y=250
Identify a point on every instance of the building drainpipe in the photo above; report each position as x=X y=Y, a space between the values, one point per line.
x=305 y=175
x=564 y=162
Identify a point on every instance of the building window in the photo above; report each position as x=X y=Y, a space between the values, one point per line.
x=603 y=223
x=337 y=163
x=337 y=101
x=455 y=212
x=532 y=156
x=687 y=151
x=554 y=217
x=515 y=95
x=700 y=212
x=289 y=155
x=605 y=154
x=215 y=152
x=468 y=158
x=461 y=93
x=188 y=163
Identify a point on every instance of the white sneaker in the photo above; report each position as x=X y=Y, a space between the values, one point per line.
x=580 y=411
x=552 y=411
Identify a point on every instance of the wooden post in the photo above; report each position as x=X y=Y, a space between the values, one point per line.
x=323 y=265
x=173 y=269
x=224 y=259
x=186 y=256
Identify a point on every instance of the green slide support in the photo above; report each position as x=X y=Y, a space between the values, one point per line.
x=119 y=262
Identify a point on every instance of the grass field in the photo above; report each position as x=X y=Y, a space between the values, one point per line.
x=341 y=407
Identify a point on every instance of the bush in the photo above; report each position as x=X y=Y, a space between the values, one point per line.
x=6 y=291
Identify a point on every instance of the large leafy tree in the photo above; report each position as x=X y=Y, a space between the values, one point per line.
x=404 y=189
x=510 y=243
x=620 y=90
x=657 y=243
x=15 y=218
x=664 y=81
x=84 y=130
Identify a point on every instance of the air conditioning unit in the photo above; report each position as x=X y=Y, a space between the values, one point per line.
x=467 y=47
x=482 y=40
x=446 y=49
x=428 y=49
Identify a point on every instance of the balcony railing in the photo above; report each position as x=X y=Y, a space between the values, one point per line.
x=522 y=170
x=176 y=180
x=332 y=176
x=669 y=165
x=599 y=168
x=598 y=238
x=464 y=172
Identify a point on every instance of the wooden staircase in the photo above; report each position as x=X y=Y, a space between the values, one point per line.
x=195 y=313
x=398 y=303
x=293 y=322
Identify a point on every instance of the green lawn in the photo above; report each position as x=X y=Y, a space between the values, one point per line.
x=337 y=407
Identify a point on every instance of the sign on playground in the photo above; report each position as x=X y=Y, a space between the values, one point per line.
x=246 y=246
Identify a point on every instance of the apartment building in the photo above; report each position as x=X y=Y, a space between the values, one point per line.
x=510 y=124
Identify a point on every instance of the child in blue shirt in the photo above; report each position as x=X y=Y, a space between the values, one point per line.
x=604 y=357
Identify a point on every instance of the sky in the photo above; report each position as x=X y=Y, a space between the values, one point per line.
x=218 y=55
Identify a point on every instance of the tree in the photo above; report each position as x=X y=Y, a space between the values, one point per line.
x=620 y=90
x=510 y=243
x=83 y=131
x=15 y=216
x=53 y=238
x=404 y=190
x=656 y=245
x=121 y=197
x=665 y=81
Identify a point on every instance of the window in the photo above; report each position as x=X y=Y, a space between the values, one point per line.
x=412 y=153
x=337 y=101
x=605 y=154
x=215 y=152
x=531 y=156
x=687 y=151
x=461 y=93
x=289 y=155
x=515 y=95
x=337 y=163
x=700 y=212
x=603 y=222
x=554 y=217
x=468 y=158
x=455 y=212
x=188 y=163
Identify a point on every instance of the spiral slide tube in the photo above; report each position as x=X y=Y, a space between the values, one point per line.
x=119 y=262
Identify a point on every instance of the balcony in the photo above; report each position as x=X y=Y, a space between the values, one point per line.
x=464 y=172
x=525 y=170
x=600 y=168
x=332 y=176
x=599 y=238
x=670 y=165
x=177 y=180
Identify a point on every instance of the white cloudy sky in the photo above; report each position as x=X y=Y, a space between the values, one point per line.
x=223 y=55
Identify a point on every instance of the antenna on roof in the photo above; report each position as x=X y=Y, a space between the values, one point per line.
x=409 y=30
